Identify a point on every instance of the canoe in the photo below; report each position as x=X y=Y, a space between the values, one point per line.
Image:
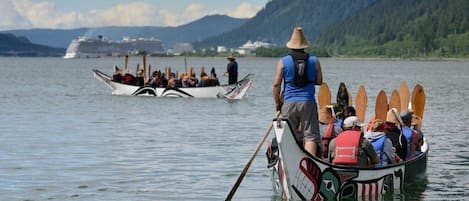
x=296 y=175
x=233 y=91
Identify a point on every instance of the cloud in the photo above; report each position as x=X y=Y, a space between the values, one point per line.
x=244 y=10
x=44 y=14
x=11 y=19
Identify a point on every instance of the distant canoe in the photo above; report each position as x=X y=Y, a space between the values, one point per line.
x=233 y=91
x=296 y=175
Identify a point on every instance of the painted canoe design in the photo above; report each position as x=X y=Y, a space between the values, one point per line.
x=296 y=175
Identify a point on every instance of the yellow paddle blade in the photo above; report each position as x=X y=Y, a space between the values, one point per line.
x=381 y=107
x=418 y=100
x=404 y=93
x=395 y=100
x=361 y=102
x=324 y=95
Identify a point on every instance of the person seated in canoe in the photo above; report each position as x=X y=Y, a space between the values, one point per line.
x=117 y=76
x=172 y=83
x=213 y=78
x=163 y=81
x=394 y=134
x=410 y=134
x=154 y=80
x=416 y=122
x=381 y=144
x=140 y=78
x=129 y=78
x=184 y=79
x=327 y=129
x=192 y=81
x=351 y=148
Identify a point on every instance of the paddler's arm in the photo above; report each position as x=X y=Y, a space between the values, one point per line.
x=318 y=72
x=277 y=85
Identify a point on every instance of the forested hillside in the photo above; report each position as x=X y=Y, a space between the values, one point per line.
x=403 y=28
x=275 y=22
x=11 y=45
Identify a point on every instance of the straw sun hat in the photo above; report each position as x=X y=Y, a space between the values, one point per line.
x=297 y=40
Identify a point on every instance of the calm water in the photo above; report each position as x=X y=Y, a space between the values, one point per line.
x=64 y=137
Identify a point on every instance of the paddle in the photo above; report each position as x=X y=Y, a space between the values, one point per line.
x=324 y=95
x=361 y=101
x=395 y=100
x=418 y=100
x=381 y=107
x=349 y=98
x=126 y=61
x=404 y=94
x=246 y=167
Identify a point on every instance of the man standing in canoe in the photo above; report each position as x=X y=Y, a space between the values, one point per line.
x=300 y=73
x=232 y=70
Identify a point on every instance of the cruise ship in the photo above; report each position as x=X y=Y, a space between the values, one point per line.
x=102 y=47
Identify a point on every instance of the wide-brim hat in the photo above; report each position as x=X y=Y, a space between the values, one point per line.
x=391 y=116
x=297 y=40
x=231 y=57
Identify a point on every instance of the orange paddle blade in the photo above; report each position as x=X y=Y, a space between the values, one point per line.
x=361 y=101
x=404 y=93
x=395 y=100
x=324 y=95
x=418 y=100
x=381 y=107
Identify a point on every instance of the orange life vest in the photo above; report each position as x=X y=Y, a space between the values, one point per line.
x=346 y=148
x=327 y=138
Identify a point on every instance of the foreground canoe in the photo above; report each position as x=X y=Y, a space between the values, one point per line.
x=296 y=175
x=233 y=91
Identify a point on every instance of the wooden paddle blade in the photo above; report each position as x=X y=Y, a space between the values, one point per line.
x=361 y=102
x=395 y=100
x=324 y=95
x=381 y=107
x=350 y=98
x=418 y=100
x=404 y=93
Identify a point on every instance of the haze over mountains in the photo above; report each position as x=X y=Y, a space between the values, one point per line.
x=388 y=28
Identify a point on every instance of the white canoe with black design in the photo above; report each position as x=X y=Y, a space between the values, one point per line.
x=296 y=175
x=233 y=91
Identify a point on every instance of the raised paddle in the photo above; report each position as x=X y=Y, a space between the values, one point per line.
x=395 y=100
x=349 y=98
x=126 y=61
x=246 y=167
x=404 y=93
x=324 y=95
x=381 y=107
x=361 y=102
x=418 y=100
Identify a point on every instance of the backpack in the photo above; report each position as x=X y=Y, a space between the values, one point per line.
x=301 y=68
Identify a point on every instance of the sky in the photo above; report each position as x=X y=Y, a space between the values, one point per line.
x=68 y=14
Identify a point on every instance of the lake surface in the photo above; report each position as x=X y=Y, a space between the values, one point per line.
x=65 y=137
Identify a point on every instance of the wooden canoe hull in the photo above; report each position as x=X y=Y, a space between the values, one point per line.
x=299 y=176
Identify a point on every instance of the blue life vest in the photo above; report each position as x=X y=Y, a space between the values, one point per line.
x=378 y=146
x=293 y=93
x=407 y=131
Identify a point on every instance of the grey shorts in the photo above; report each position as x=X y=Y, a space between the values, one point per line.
x=303 y=117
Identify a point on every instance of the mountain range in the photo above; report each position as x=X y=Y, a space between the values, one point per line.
x=197 y=30
x=388 y=28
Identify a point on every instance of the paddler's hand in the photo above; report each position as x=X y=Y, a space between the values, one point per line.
x=278 y=106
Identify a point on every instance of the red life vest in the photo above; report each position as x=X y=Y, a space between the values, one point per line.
x=346 y=148
x=327 y=139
